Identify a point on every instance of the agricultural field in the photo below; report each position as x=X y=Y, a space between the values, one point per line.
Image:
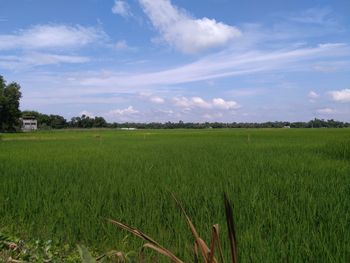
x=290 y=189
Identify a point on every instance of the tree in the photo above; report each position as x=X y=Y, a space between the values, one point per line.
x=87 y=122
x=9 y=105
x=47 y=121
x=2 y=101
x=100 y=122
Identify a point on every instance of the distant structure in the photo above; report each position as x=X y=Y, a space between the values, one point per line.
x=128 y=129
x=29 y=123
x=286 y=127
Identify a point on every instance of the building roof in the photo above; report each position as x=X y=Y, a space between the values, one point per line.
x=28 y=118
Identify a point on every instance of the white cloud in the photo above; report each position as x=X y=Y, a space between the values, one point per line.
x=122 y=45
x=76 y=86
x=313 y=95
x=341 y=95
x=51 y=36
x=223 y=64
x=320 y=16
x=225 y=105
x=198 y=102
x=194 y=102
x=213 y=116
x=326 y=111
x=185 y=33
x=246 y=92
x=123 y=112
x=44 y=58
x=157 y=100
x=121 y=8
x=182 y=102
x=167 y=112
x=39 y=59
x=324 y=68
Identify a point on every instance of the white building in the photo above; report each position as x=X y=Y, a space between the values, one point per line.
x=128 y=129
x=29 y=124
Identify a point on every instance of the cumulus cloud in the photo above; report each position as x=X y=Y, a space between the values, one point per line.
x=326 y=111
x=313 y=95
x=123 y=112
x=157 y=100
x=194 y=102
x=198 y=102
x=50 y=36
x=341 y=95
x=121 y=8
x=182 y=31
x=225 y=105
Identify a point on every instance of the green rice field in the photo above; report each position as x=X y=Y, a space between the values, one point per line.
x=290 y=189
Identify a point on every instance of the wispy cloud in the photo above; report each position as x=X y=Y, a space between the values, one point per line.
x=121 y=8
x=320 y=16
x=225 y=64
x=39 y=59
x=326 y=111
x=51 y=37
x=247 y=92
x=182 y=31
x=122 y=45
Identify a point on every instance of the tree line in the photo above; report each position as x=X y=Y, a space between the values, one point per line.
x=51 y=121
x=10 y=118
x=59 y=122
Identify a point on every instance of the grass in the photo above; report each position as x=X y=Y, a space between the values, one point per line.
x=290 y=189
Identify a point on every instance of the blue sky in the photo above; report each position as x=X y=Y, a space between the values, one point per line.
x=162 y=60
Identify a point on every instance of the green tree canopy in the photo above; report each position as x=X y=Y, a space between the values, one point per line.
x=10 y=113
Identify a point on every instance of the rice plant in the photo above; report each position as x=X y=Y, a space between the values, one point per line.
x=291 y=188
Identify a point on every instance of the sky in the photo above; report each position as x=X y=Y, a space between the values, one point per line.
x=172 y=60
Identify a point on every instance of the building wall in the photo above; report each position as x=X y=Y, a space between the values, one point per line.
x=29 y=125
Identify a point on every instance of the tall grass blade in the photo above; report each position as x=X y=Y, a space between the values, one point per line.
x=214 y=239
x=201 y=244
x=162 y=251
x=195 y=250
x=231 y=229
x=151 y=243
x=215 y=242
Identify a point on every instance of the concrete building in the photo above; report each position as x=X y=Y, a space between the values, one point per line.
x=29 y=123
